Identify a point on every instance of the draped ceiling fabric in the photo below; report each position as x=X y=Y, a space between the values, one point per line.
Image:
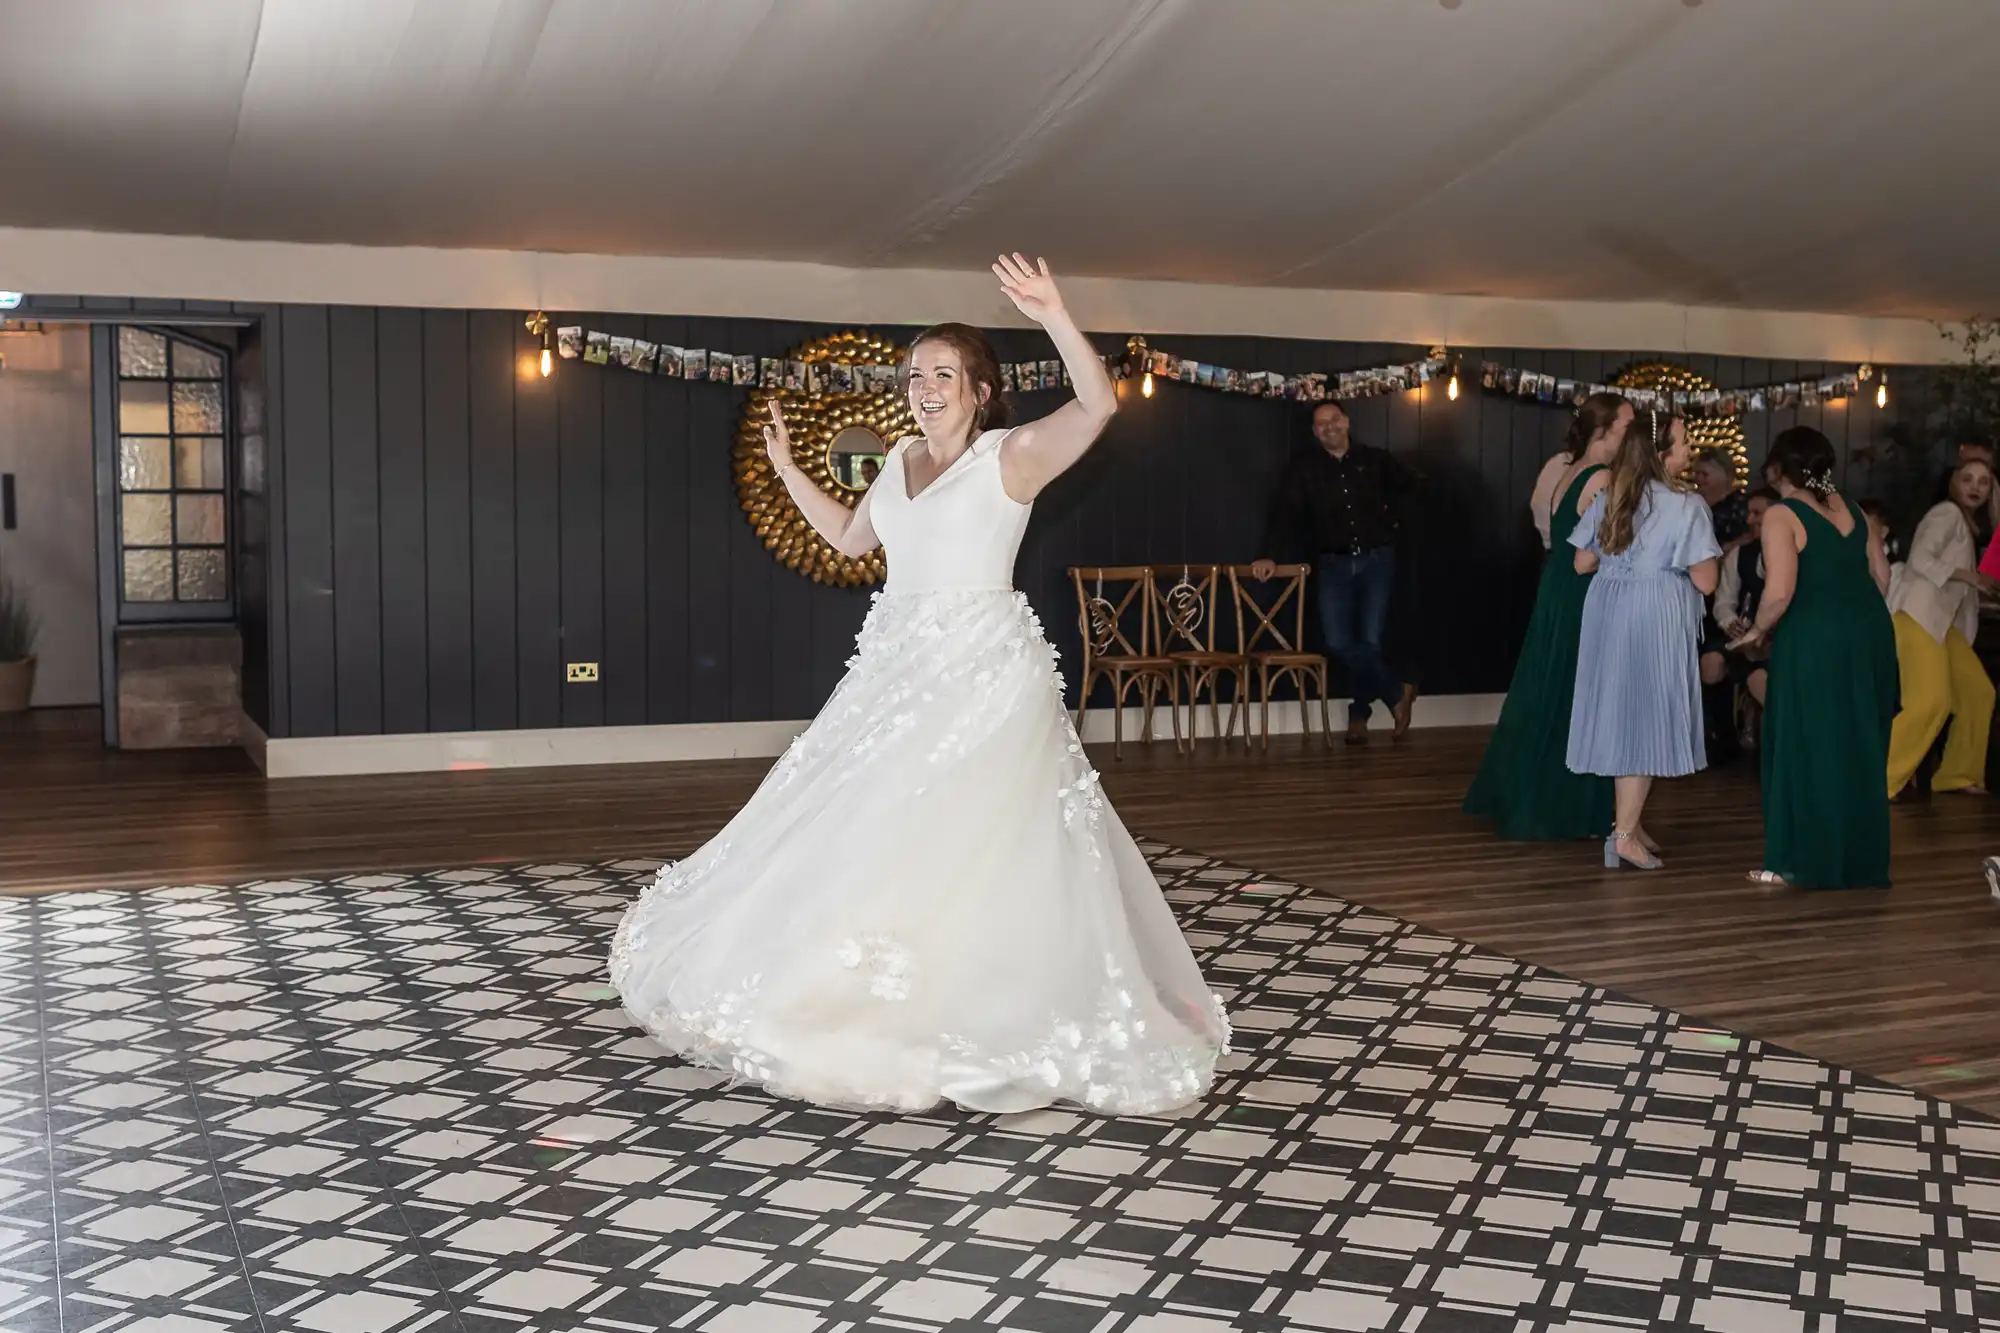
x=1805 y=155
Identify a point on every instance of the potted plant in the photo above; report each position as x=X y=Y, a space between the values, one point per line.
x=17 y=648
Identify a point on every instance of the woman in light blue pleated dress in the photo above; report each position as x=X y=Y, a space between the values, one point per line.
x=1637 y=714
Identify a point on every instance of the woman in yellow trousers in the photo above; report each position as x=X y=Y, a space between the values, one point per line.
x=1935 y=600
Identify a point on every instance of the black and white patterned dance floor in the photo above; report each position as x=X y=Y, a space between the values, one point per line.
x=401 y=1103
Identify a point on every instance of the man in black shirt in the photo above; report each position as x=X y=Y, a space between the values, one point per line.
x=1337 y=503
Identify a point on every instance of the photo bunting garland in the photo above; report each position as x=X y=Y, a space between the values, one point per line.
x=832 y=377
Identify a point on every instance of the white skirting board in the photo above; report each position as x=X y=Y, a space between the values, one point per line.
x=438 y=752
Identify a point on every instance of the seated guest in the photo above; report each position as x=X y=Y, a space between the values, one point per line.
x=1733 y=610
x=1882 y=530
x=1715 y=483
x=1934 y=599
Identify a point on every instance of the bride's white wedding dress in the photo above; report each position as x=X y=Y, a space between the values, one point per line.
x=928 y=898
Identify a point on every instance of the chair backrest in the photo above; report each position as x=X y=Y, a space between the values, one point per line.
x=1114 y=611
x=1184 y=607
x=1269 y=603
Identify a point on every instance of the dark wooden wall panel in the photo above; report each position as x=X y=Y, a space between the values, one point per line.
x=308 y=503
x=448 y=519
x=626 y=670
x=520 y=523
x=580 y=527
x=357 y=525
x=538 y=538
x=399 y=346
x=491 y=369
x=669 y=578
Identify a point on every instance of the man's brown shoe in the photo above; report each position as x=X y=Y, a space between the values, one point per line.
x=1405 y=707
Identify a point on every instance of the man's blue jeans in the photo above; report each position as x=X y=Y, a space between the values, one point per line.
x=1353 y=610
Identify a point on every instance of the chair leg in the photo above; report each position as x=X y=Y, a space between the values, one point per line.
x=1325 y=710
x=1264 y=703
x=1118 y=719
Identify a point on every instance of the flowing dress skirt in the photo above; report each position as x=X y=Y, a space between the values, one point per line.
x=929 y=898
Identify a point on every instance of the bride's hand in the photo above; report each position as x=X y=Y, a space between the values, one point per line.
x=778 y=441
x=1031 y=287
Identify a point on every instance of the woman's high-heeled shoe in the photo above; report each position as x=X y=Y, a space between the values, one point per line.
x=1616 y=855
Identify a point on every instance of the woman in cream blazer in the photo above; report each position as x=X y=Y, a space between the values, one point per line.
x=1935 y=601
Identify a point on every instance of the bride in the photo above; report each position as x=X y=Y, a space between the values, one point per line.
x=928 y=898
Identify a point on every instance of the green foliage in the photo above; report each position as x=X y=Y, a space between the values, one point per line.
x=17 y=622
x=1960 y=404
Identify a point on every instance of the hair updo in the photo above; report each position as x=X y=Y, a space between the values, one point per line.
x=1594 y=415
x=1804 y=457
x=982 y=366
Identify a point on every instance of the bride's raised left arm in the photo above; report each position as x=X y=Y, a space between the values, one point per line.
x=1039 y=452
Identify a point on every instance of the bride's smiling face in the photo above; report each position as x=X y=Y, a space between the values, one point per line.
x=943 y=398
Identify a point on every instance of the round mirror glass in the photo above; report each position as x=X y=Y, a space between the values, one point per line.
x=854 y=457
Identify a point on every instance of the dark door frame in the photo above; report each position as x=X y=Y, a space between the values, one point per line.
x=104 y=434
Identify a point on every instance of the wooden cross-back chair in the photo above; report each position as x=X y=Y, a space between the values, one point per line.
x=1274 y=653
x=1186 y=613
x=1114 y=610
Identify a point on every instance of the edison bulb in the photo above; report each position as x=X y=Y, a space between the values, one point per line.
x=548 y=363
x=1882 y=394
x=1451 y=389
x=1146 y=385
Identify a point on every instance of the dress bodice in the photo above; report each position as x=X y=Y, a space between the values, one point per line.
x=1564 y=517
x=1671 y=531
x=1833 y=567
x=961 y=534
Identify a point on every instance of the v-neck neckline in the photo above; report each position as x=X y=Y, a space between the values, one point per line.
x=932 y=484
x=1854 y=517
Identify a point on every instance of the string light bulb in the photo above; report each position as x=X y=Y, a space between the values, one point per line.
x=1451 y=389
x=1146 y=385
x=1882 y=392
x=538 y=324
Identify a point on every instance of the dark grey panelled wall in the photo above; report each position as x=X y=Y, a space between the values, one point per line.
x=455 y=528
x=428 y=530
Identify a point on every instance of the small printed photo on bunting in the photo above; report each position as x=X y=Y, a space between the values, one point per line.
x=1566 y=391
x=1159 y=363
x=770 y=373
x=721 y=366
x=842 y=378
x=670 y=361
x=795 y=376
x=645 y=356
x=745 y=371
x=1489 y=374
x=1188 y=372
x=882 y=379
x=621 y=352
x=1009 y=381
x=694 y=363
x=597 y=348
x=569 y=342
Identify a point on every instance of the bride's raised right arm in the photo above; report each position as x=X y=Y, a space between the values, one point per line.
x=847 y=531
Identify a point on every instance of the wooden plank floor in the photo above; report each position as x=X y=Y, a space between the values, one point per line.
x=1904 y=985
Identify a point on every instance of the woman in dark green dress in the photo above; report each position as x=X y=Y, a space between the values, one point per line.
x=1833 y=688
x=1524 y=785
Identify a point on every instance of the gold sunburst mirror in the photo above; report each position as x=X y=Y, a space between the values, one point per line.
x=840 y=438
x=1721 y=433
